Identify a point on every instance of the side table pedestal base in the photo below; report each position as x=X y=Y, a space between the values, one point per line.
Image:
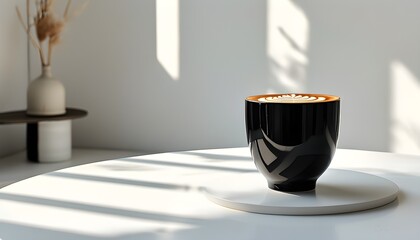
x=49 y=141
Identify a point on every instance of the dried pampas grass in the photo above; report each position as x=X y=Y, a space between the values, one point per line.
x=47 y=25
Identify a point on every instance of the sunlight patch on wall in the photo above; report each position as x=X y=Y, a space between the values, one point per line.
x=287 y=42
x=405 y=116
x=167 y=36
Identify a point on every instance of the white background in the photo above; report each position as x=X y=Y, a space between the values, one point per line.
x=161 y=75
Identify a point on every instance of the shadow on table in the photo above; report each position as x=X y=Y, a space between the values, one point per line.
x=185 y=165
x=238 y=226
x=226 y=224
x=168 y=186
x=216 y=157
x=229 y=224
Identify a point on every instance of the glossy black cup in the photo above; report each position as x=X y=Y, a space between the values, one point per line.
x=292 y=143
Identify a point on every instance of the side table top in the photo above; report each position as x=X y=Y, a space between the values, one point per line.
x=22 y=117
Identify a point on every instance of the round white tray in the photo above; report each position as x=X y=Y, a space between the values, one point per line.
x=337 y=191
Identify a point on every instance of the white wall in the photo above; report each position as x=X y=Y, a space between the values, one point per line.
x=112 y=61
x=13 y=75
x=354 y=49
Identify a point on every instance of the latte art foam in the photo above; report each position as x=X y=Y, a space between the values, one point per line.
x=292 y=98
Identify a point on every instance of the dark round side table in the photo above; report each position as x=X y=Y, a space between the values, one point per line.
x=48 y=139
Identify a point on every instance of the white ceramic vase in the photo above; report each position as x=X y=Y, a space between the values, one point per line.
x=46 y=95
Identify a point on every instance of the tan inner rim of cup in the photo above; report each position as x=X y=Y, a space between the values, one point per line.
x=328 y=98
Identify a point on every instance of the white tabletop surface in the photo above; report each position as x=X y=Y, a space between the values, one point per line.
x=159 y=197
x=16 y=167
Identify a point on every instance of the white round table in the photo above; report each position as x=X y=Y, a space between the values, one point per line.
x=160 y=197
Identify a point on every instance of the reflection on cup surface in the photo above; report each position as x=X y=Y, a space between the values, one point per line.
x=292 y=137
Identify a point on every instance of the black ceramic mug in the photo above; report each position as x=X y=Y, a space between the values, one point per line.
x=292 y=137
